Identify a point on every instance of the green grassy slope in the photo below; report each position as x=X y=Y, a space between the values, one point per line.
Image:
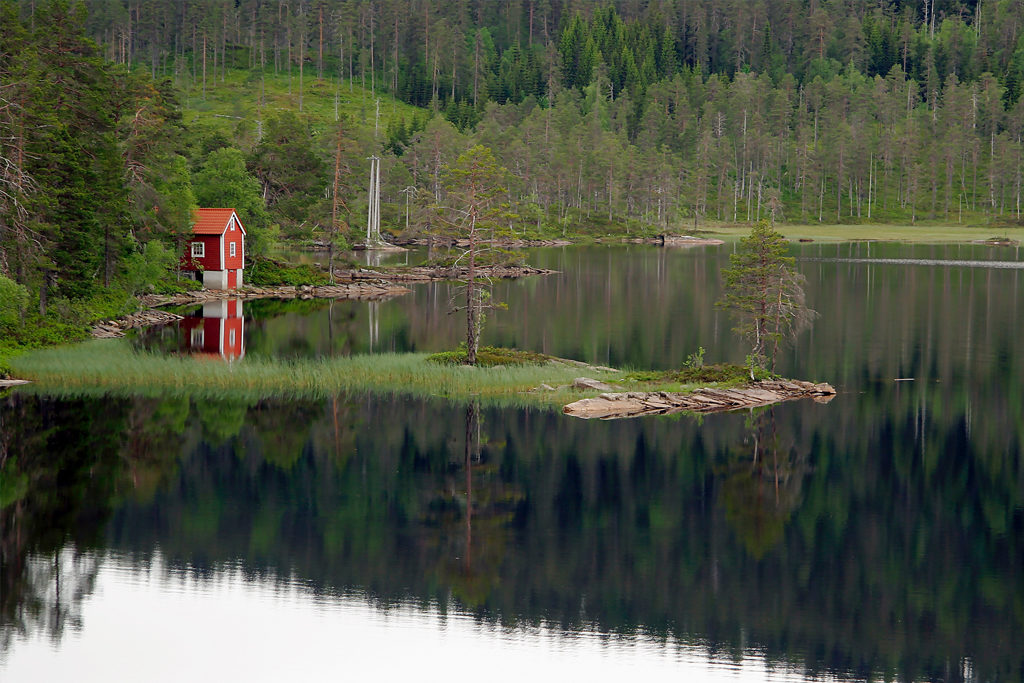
x=232 y=106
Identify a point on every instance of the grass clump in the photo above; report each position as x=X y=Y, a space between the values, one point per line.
x=106 y=367
x=489 y=357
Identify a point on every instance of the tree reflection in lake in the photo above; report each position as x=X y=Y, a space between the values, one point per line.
x=735 y=532
x=761 y=484
x=879 y=536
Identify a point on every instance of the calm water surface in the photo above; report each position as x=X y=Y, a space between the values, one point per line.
x=878 y=536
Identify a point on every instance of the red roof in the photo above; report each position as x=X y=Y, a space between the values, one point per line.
x=213 y=221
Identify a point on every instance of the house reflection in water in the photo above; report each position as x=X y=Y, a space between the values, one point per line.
x=218 y=332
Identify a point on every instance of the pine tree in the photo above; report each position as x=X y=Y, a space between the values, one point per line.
x=475 y=184
x=764 y=294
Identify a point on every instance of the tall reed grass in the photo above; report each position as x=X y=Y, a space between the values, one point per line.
x=113 y=367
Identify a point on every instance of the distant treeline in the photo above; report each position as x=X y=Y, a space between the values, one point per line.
x=732 y=110
x=505 y=50
x=610 y=117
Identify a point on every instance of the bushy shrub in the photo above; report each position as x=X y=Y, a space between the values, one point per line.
x=266 y=272
x=13 y=302
x=149 y=267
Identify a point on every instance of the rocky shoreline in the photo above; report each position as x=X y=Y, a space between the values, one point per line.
x=371 y=289
x=676 y=241
x=355 y=285
x=110 y=329
x=437 y=273
x=501 y=243
x=610 y=406
x=374 y=290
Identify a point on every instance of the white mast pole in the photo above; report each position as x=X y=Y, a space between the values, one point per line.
x=376 y=211
x=369 y=211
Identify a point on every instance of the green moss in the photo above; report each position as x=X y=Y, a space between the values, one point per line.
x=719 y=374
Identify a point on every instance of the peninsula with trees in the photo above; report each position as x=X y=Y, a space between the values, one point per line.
x=608 y=120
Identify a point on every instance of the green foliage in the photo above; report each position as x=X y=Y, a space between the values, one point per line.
x=171 y=214
x=13 y=302
x=763 y=293
x=268 y=272
x=177 y=286
x=293 y=174
x=224 y=181
x=475 y=185
x=695 y=360
x=149 y=267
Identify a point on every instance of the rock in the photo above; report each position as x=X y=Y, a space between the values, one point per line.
x=704 y=400
x=585 y=384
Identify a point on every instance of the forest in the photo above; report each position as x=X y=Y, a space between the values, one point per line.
x=117 y=118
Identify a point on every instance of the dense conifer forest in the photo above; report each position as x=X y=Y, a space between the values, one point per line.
x=117 y=117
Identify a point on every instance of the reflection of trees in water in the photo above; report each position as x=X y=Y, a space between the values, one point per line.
x=761 y=484
x=64 y=465
x=45 y=595
x=662 y=525
x=466 y=522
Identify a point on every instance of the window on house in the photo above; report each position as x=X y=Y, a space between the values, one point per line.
x=198 y=249
x=197 y=337
x=232 y=223
x=232 y=248
x=231 y=338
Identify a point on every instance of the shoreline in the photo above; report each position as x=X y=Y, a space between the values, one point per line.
x=351 y=285
x=110 y=367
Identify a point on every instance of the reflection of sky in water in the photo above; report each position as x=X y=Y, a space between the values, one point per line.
x=229 y=626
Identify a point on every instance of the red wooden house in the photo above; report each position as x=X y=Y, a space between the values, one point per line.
x=216 y=252
x=218 y=333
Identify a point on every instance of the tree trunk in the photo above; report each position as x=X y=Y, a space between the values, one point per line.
x=472 y=303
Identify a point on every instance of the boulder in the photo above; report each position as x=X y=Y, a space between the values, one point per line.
x=587 y=384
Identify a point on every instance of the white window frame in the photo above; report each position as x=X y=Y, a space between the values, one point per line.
x=197 y=337
x=232 y=249
x=198 y=250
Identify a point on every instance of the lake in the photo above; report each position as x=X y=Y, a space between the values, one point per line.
x=878 y=536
